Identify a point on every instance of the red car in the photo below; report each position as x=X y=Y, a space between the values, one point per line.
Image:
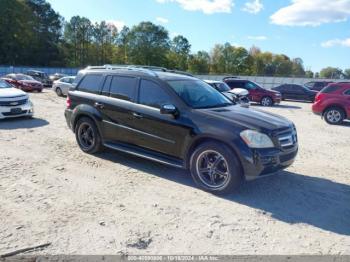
x=333 y=103
x=256 y=93
x=23 y=82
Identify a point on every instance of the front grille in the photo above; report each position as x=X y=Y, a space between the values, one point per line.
x=13 y=103
x=287 y=138
x=15 y=113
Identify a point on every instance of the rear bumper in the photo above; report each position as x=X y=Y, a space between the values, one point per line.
x=263 y=162
x=68 y=115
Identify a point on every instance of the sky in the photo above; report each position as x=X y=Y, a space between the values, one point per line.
x=318 y=31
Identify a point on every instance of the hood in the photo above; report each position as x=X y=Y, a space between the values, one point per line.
x=30 y=82
x=239 y=91
x=249 y=118
x=11 y=92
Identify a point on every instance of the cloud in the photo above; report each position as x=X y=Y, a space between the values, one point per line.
x=257 y=38
x=336 y=42
x=206 y=6
x=118 y=24
x=162 y=20
x=312 y=12
x=253 y=7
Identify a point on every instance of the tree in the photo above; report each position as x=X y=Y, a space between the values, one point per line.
x=347 y=73
x=148 y=44
x=199 y=63
x=15 y=32
x=78 y=35
x=179 y=53
x=309 y=74
x=331 y=72
x=46 y=27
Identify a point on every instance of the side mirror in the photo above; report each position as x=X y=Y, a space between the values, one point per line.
x=168 y=109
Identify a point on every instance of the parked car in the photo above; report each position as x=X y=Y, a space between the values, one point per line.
x=24 y=82
x=41 y=77
x=238 y=95
x=14 y=102
x=178 y=120
x=62 y=85
x=57 y=76
x=296 y=92
x=333 y=103
x=257 y=93
x=317 y=85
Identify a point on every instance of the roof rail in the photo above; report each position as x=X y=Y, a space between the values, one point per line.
x=230 y=77
x=123 y=67
x=141 y=68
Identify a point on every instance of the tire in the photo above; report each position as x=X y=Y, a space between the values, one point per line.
x=266 y=101
x=59 y=91
x=212 y=178
x=334 y=115
x=88 y=136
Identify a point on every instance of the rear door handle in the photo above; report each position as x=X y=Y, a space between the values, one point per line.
x=137 y=115
x=99 y=105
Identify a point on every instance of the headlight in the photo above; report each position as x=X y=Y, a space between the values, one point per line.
x=255 y=139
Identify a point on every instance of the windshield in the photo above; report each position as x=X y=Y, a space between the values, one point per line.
x=4 y=84
x=24 y=77
x=197 y=94
x=222 y=87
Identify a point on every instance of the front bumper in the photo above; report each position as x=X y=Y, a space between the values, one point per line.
x=26 y=110
x=261 y=162
x=277 y=100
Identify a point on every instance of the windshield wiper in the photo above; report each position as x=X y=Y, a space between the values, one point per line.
x=215 y=106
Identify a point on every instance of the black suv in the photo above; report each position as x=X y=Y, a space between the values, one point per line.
x=317 y=85
x=178 y=120
x=41 y=77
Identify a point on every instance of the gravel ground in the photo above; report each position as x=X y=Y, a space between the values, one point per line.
x=113 y=203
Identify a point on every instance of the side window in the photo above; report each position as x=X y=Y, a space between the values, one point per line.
x=347 y=92
x=330 y=89
x=90 y=83
x=123 y=87
x=106 y=86
x=249 y=86
x=151 y=94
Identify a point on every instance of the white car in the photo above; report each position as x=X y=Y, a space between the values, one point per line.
x=61 y=86
x=14 y=102
x=238 y=95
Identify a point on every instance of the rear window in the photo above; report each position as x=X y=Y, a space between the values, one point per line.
x=90 y=83
x=330 y=89
x=123 y=87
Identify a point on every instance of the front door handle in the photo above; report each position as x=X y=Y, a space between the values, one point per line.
x=137 y=115
x=99 y=105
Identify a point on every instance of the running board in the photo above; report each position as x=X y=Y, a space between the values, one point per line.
x=147 y=154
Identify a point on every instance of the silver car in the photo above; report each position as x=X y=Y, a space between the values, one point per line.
x=61 y=86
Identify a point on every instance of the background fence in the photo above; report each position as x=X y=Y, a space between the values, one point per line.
x=4 y=70
x=265 y=81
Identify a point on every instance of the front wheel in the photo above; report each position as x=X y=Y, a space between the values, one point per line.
x=215 y=168
x=59 y=91
x=87 y=136
x=266 y=101
x=334 y=115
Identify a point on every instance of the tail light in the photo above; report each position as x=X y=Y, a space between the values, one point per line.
x=319 y=96
x=68 y=102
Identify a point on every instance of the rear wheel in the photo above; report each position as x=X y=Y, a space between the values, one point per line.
x=215 y=168
x=334 y=115
x=59 y=91
x=266 y=101
x=87 y=136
